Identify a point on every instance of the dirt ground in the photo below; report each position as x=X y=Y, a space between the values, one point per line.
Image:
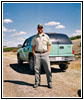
x=18 y=81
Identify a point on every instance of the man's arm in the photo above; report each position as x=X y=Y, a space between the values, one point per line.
x=49 y=48
x=33 y=49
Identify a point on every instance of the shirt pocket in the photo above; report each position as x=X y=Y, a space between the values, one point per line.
x=44 y=41
x=37 y=41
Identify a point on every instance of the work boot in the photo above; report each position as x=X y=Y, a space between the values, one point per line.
x=50 y=85
x=36 y=85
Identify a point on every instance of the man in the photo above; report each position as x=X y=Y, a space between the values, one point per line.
x=41 y=48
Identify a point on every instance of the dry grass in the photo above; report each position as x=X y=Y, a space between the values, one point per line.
x=75 y=65
x=76 y=46
x=10 y=54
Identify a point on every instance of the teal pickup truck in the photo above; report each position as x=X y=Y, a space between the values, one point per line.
x=61 y=51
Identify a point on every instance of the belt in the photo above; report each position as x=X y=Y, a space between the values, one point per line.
x=40 y=51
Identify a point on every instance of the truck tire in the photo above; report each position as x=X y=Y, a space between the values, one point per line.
x=31 y=63
x=63 y=66
x=20 y=62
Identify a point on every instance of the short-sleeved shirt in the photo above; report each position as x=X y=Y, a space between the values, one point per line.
x=41 y=42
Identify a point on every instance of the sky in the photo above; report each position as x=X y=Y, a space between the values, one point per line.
x=20 y=20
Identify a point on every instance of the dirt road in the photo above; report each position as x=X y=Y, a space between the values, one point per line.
x=18 y=81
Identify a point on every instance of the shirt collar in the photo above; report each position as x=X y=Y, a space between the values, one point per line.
x=42 y=34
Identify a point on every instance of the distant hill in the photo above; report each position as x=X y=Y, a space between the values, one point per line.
x=4 y=46
x=8 y=49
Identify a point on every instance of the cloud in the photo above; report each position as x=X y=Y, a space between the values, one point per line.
x=60 y=26
x=77 y=32
x=8 y=30
x=53 y=23
x=22 y=39
x=7 y=21
x=19 y=33
x=11 y=43
x=5 y=29
x=12 y=30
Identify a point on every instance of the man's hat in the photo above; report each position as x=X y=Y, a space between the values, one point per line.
x=40 y=26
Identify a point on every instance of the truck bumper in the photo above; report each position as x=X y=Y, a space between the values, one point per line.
x=61 y=59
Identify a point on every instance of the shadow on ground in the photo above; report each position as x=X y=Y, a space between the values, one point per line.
x=26 y=70
x=22 y=83
x=18 y=82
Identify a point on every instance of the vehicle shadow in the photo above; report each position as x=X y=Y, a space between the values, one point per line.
x=26 y=70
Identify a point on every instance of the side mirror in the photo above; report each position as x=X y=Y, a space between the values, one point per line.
x=20 y=46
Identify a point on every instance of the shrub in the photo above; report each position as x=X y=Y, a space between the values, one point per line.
x=14 y=50
x=8 y=49
x=75 y=37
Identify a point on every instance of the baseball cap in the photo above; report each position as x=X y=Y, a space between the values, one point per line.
x=40 y=26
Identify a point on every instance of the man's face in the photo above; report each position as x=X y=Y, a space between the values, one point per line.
x=40 y=30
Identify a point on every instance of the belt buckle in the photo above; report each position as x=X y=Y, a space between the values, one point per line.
x=41 y=51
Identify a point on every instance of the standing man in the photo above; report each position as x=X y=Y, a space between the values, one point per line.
x=41 y=48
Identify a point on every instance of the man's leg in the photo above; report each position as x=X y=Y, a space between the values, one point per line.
x=37 y=69
x=46 y=65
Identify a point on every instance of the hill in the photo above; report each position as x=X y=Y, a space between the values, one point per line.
x=77 y=48
x=75 y=37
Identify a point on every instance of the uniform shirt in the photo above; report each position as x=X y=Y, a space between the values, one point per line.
x=41 y=41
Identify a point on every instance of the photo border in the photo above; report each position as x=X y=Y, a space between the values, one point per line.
x=81 y=49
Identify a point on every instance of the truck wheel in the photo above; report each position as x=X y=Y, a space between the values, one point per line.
x=20 y=62
x=31 y=63
x=63 y=66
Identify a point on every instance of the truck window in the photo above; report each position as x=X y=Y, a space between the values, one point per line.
x=59 y=38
